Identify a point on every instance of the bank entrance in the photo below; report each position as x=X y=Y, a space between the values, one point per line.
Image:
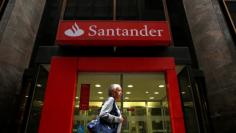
x=151 y=100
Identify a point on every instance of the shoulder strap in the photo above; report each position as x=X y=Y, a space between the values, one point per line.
x=113 y=107
x=114 y=110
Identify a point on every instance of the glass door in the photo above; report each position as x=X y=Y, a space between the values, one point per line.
x=144 y=103
x=99 y=83
x=193 y=95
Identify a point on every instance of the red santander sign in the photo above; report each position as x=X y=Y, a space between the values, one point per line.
x=113 y=33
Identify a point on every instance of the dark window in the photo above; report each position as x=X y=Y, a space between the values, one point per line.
x=89 y=10
x=3 y=4
x=104 y=10
x=153 y=4
x=49 y=22
x=128 y=9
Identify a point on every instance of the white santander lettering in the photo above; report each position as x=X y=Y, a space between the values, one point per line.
x=101 y=32
x=118 y=31
x=132 y=31
x=93 y=32
x=159 y=32
x=110 y=32
x=152 y=32
x=144 y=32
x=125 y=32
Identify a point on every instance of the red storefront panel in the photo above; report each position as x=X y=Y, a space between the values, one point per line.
x=57 y=115
x=58 y=107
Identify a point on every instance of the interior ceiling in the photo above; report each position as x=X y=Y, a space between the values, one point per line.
x=142 y=83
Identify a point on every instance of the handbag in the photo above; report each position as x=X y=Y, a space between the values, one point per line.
x=96 y=126
x=99 y=126
x=93 y=125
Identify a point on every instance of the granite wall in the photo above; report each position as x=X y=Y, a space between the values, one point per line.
x=216 y=53
x=18 y=29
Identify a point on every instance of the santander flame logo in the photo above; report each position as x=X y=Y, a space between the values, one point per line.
x=75 y=31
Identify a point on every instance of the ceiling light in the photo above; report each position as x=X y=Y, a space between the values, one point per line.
x=156 y=92
x=126 y=97
x=97 y=85
x=161 y=86
x=26 y=96
x=130 y=86
x=99 y=92
x=76 y=97
x=101 y=97
x=128 y=92
x=151 y=97
x=39 y=85
x=147 y=92
x=183 y=92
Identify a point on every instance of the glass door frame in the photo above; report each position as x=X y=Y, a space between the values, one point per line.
x=58 y=109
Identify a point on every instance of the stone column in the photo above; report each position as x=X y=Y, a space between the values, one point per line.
x=216 y=55
x=18 y=27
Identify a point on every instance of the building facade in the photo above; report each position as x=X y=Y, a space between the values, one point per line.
x=185 y=84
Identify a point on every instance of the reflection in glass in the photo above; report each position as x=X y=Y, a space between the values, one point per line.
x=37 y=101
x=189 y=109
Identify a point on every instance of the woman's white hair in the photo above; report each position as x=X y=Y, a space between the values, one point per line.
x=112 y=88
